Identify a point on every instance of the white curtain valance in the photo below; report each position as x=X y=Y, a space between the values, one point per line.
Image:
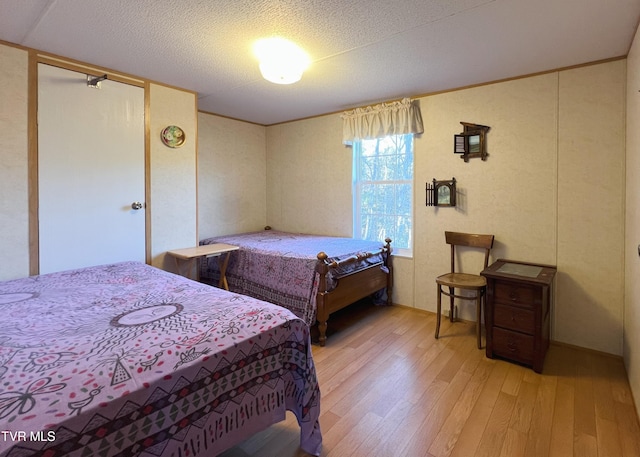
x=392 y=118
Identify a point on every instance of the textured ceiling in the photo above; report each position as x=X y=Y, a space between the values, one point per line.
x=362 y=51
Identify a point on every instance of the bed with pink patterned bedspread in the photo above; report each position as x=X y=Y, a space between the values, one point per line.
x=280 y=267
x=129 y=360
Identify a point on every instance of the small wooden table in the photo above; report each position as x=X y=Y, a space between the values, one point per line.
x=187 y=257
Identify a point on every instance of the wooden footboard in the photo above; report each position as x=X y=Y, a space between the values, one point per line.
x=353 y=286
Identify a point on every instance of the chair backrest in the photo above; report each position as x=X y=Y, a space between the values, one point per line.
x=471 y=240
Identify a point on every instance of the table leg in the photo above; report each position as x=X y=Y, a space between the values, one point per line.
x=223 y=261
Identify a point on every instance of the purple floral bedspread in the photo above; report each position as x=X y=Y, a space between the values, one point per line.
x=129 y=360
x=279 y=267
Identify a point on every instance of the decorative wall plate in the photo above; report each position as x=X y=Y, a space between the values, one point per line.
x=173 y=136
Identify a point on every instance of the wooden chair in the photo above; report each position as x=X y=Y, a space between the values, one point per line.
x=464 y=281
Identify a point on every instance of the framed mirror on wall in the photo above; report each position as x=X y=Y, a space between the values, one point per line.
x=441 y=193
x=471 y=142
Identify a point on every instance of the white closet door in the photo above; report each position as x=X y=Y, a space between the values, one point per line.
x=90 y=171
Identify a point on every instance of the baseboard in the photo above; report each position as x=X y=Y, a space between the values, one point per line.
x=581 y=348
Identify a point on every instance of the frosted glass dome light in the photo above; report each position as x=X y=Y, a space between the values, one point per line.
x=281 y=61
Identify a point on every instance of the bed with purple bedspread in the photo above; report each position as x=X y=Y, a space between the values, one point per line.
x=129 y=360
x=280 y=267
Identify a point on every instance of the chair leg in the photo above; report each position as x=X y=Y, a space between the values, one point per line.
x=451 y=314
x=438 y=312
x=478 y=321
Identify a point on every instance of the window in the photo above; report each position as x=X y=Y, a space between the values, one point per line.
x=383 y=190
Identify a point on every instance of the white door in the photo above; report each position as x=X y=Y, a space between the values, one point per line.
x=90 y=171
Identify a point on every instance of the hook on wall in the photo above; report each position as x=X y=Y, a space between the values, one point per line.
x=94 y=81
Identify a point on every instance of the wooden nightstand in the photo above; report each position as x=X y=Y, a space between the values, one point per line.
x=186 y=258
x=518 y=308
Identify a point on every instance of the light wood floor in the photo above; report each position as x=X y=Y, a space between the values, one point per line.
x=390 y=389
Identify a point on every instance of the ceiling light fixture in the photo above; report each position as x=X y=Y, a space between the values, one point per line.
x=281 y=61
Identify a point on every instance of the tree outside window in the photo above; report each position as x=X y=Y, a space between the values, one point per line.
x=383 y=190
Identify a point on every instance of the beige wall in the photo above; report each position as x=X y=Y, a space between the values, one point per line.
x=632 y=242
x=14 y=186
x=172 y=173
x=556 y=146
x=511 y=195
x=309 y=177
x=172 y=200
x=591 y=207
x=232 y=176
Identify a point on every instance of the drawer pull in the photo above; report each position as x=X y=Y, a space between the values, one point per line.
x=512 y=346
x=513 y=296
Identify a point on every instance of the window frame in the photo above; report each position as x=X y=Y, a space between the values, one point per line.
x=357 y=184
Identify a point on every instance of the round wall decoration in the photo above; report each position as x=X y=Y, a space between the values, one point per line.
x=173 y=136
x=147 y=315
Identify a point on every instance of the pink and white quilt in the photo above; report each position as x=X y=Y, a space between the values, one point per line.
x=279 y=267
x=129 y=360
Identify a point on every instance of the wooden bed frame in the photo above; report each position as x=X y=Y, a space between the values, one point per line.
x=350 y=287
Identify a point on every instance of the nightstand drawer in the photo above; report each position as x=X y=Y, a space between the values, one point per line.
x=515 y=294
x=513 y=318
x=513 y=345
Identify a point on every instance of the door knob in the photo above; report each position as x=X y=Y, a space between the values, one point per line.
x=136 y=205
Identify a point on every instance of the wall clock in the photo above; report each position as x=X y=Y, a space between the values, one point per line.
x=173 y=136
